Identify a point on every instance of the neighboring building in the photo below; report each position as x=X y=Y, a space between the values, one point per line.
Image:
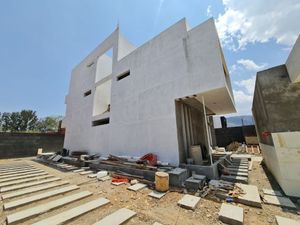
x=276 y=110
x=149 y=99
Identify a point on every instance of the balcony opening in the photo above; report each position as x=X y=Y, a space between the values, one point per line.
x=100 y=122
x=123 y=75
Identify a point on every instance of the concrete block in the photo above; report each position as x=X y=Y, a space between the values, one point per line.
x=272 y=192
x=157 y=195
x=137 y=187
x=231 y=214
x=189 y=201
x=117 y=218
x=73 y=213
x=280 y=201
x=286 y=221
x=193 y=184
x=177 y=176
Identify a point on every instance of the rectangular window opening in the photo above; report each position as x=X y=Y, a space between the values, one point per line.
x=87 y=93
x=123 y=75
x=90 y=64
x=100 y=122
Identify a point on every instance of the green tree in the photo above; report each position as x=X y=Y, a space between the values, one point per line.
x=48 y=124
x=28 y=120
x=6 y=121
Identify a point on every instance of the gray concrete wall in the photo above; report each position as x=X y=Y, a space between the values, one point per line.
x=276 y=103
x=13 y=145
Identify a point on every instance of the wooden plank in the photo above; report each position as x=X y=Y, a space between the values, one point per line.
x=22 y=177
x=29 y=184
x=34 y=211
x=20 y=173
x=118 y=217
x=32 y=190
x=9 y=183
x=73 y=213
x=27 y=200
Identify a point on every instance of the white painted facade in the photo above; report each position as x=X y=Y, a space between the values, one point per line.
x=177 y=63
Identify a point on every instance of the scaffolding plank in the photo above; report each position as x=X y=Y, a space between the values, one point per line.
x=28 y=213
x=29 y=184
x=38 y=197
x=72 y=213
x=32 y=190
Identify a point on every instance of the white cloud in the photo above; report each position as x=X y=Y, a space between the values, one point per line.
x=251 y=65
x=247 y=84
x=251 y=21
x=208 y=11
x=243 y=102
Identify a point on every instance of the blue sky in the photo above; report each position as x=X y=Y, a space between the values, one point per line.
x=41 y=41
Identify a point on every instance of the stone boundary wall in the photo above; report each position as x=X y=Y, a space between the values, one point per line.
x=13 y=145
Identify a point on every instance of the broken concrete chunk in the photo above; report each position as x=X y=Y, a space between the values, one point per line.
x=101 y=174
x=231 y=214
x=189 y=201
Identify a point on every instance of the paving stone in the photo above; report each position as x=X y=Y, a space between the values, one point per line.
x=32 y=190
x=21 y=173
x=22 y=177
x=9 y=183
x=286 y=221
x=118 y=217
x=79 y=170
x=118 y=183
x=137 y=187
x=272 y=192
x=92 y=175
x=74 y=212
x=251 y=196
x=189 y=201
x=231 y=214
x=104 y=178
x=156 y=223
x=34 y=198
x=280 y=201
x=29 y=184
x=156 y=194
x=28 y=213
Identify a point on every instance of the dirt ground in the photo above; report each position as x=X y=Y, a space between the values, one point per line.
x=150 y=210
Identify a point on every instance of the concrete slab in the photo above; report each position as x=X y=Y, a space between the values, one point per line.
x=251 y=196
x=92 y=175
x=79 y=170
x=238 y=167
x=16 y=169
x=28 y=213
x=272 y=192
x=189 y=201
x=86 y=172
x=9 y=183
x=231 y=214
x=156 y=223
x=74 y=212
x=11 y=174
x=286 y=221
x=157 y=195
x=239 y=174
x=22 y=177
x=29 y=184
x=137 y=187
x=118 y=217
x=239 y=179
x=279 y=201
x=118 y=183
x=32 y=190
x=237 y=170
x=104 y=178
x=34 y=198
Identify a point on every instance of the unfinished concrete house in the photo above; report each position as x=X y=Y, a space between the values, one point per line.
x=156 y=98
x=276 y=107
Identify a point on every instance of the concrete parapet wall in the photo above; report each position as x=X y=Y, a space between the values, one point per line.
x=14 y=145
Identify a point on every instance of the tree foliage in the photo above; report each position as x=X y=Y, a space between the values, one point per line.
x=27 y=121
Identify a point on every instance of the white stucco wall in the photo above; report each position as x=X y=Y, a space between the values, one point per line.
x=174 y=64
x=292 y=63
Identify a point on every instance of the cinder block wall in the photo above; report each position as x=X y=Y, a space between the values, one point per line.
x=14 y=145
